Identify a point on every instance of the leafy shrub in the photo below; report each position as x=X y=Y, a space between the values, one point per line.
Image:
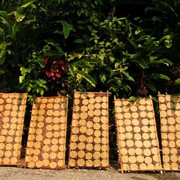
x=166 y=21
x=129 y=61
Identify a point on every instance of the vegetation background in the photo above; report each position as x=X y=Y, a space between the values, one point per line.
x=52 y=47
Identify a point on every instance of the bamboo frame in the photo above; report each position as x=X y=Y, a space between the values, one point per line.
x=89 y=138
x=47 y=133
x=169 y=106
x=12 y=108
x=133 y=149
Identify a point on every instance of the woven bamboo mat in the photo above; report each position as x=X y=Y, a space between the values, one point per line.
x=12 y=112
x=137 y=135
x=89 y=141
x=47 y=133
x=169 y=106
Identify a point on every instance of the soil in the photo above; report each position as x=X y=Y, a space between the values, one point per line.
x=18 y=173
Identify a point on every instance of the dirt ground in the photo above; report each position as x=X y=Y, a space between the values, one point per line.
x=15 y=173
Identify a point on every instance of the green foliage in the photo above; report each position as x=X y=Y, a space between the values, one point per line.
x=80 y=70
x=13 y=18
x=127 y=55
x=45 y=73
x=130 y=61
x=31 y=76
x=28 y=25
x=177 y=82
x=167 y=22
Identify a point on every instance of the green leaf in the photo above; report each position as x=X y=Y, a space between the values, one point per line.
x=58 y=32
x=21 y=8
x=101 y=56
x=152 y=59
x=42 y=81
x=118 y=81
x=163 y=61
x=168 y=43
x=41 y=63
x=19 y=17
x=102 y=78
x=21 y=78
x=88 y=78
x=111 y=58
x=128 y=76
x=133 y=43
x=108 y=44
x=56 y=45
x=79 y=41
x=159 y=76
x=29 y=89
x=15 y=29
x=166 y=37
x=67 y=28
x=132 y=98
x=41 y=92
x=85 y=62
x=149 y=43
x=1 y=32
x=4 y=21
x=19 y=13
x=4 y=17
x=151 y=86
x=155 y=99
x=3 y=50
x=4 y=14
x=127 y=88
x=142 y=63
x=117 y=65
x=71 y=70
x=177 y=82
